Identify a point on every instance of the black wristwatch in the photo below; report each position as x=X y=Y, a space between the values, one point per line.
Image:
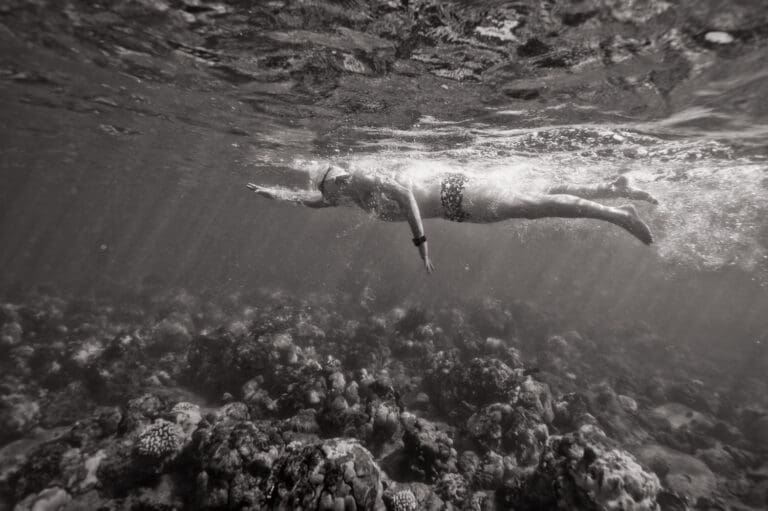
x=420 y=240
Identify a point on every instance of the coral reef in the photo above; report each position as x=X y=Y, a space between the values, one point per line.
x=274 y=405
x=160 y=440
x=332 y=474
x=587 y=474
x=403 y=500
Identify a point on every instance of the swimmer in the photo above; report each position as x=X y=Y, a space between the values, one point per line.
x=458 y=197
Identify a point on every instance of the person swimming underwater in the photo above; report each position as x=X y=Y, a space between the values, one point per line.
x=459 y=197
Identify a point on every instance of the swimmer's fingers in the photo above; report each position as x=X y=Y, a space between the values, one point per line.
x=429 y=266
x=259 y=190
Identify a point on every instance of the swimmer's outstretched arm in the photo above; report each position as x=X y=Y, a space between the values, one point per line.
x=620 y=188
x=303 y=197
x=408 y=205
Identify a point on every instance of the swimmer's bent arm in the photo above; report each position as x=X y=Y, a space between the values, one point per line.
x=303 y=197
x=407 y=202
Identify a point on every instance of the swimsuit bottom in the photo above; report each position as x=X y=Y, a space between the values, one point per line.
x=452 y=195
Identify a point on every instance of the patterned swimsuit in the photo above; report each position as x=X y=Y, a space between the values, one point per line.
x=452 y=195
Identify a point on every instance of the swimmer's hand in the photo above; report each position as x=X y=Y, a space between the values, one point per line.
x=260 y=190
x=428 y=264
x=424 y=254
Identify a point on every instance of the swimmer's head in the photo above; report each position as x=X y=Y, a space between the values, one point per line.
x=333 y=179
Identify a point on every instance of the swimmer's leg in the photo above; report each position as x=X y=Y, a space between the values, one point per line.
x=569 y=206
x=619 y=188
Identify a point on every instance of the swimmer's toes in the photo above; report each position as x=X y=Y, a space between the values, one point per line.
x=640 y=231
x=637 y=227
x=644 y=234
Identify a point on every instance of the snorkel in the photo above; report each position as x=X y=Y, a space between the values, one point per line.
x=321 y=186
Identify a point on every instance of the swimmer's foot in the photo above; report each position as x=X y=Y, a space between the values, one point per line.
x=622 y=185
x=632 y=223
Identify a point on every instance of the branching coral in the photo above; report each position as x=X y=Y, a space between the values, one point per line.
x=403 y=500
x=160 y=440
